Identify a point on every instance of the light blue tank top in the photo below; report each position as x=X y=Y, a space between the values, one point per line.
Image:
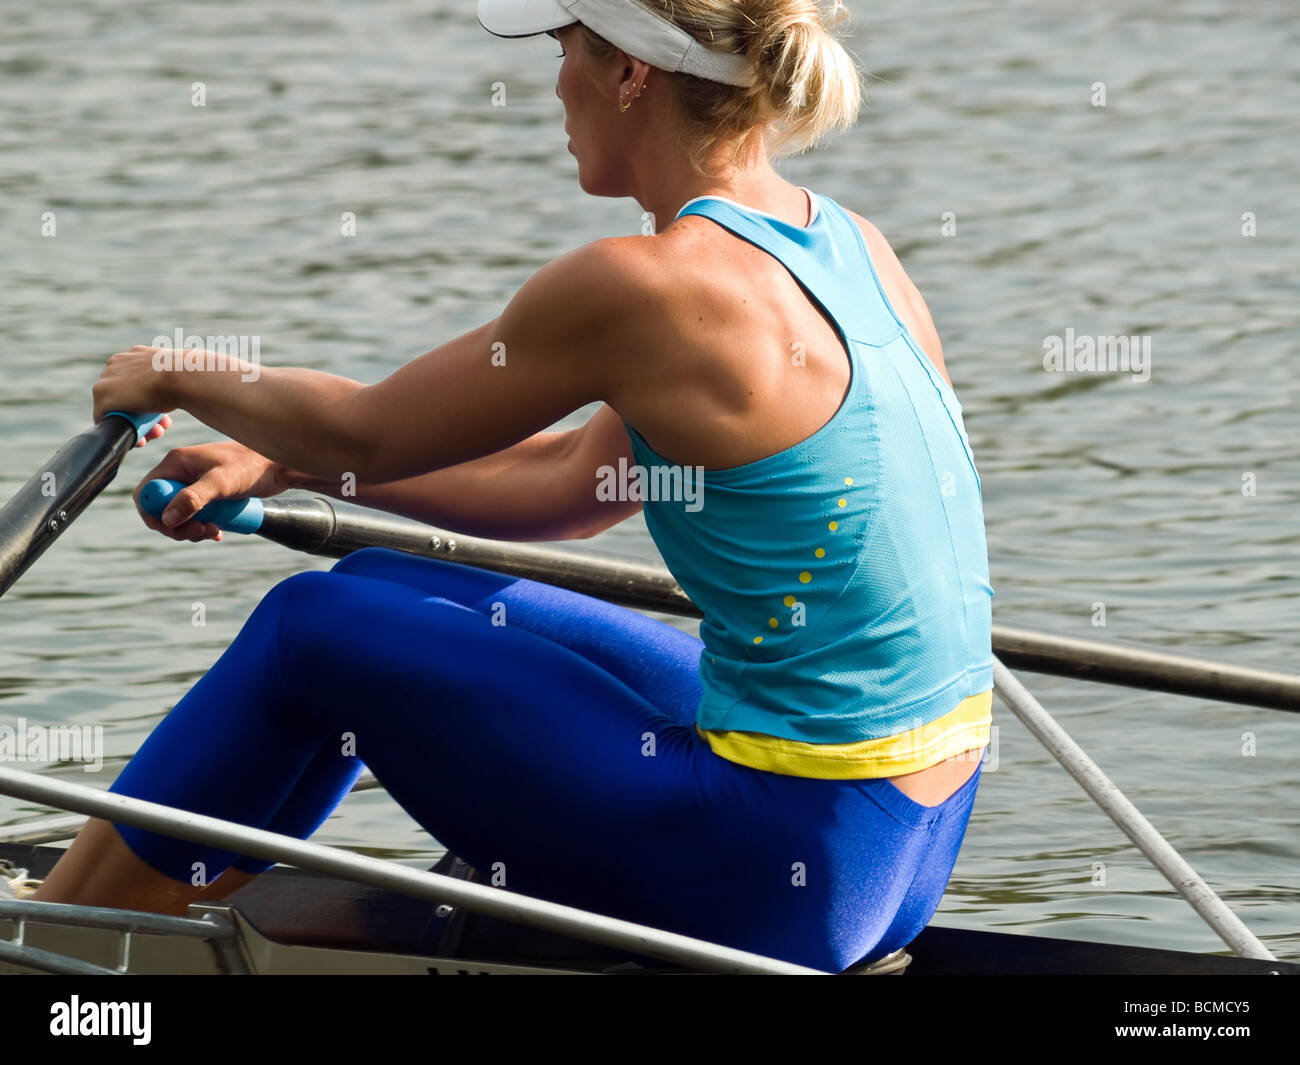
x=844 y=581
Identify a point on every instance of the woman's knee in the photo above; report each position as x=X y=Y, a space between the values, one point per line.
x=453 y=581
x=366 y=560
x=300 y=608
x=301 y=590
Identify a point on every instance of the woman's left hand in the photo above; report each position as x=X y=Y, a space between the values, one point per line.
x=133 y=382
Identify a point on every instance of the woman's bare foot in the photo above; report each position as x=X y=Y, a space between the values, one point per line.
x=99 y=869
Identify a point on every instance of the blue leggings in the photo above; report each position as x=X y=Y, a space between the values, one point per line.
x=549 y=732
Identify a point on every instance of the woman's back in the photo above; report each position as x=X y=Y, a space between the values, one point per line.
x=843 y=577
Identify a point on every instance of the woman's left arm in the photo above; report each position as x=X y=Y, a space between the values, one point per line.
x=548 y=354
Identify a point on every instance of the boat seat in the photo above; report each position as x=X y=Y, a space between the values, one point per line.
x=461 y=933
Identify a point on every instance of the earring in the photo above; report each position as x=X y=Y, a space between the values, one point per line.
x=626 y=102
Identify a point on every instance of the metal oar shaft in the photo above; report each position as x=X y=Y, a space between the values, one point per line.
x=322 y=527
x=477 y=898
x=1105 y=794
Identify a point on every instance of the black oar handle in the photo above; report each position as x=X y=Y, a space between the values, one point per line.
x=58 y=492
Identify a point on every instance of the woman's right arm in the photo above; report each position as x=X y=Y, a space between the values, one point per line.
x=542 y=488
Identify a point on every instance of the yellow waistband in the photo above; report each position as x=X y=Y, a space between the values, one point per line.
x=963 y=729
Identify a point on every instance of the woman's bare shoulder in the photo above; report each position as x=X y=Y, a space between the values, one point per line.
x=905 y=297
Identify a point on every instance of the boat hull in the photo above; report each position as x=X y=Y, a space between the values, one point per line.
x=292 y=921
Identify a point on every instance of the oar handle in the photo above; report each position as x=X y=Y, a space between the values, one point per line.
x=232 y=515
x=142 y=422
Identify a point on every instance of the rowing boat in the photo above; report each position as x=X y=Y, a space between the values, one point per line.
x=292 y=921
x=336 y=912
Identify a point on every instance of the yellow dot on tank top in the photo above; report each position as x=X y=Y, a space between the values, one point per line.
x=772 y=622
x=841 y=502
x=834 y=525
x=848 y=480
x=758 y=639
x=805 y=577
x=820 y=552
x=789 y=600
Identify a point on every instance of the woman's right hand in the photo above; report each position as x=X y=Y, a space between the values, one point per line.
x=224 y=470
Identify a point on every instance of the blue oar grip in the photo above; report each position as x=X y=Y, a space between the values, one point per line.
x=232 y=515
x=142 y=422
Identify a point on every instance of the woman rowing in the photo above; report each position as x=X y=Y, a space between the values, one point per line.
x=796 y=782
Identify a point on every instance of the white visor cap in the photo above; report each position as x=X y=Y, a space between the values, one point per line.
x=625 y=23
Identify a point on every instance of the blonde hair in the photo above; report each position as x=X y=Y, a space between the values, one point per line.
x=807 y=85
